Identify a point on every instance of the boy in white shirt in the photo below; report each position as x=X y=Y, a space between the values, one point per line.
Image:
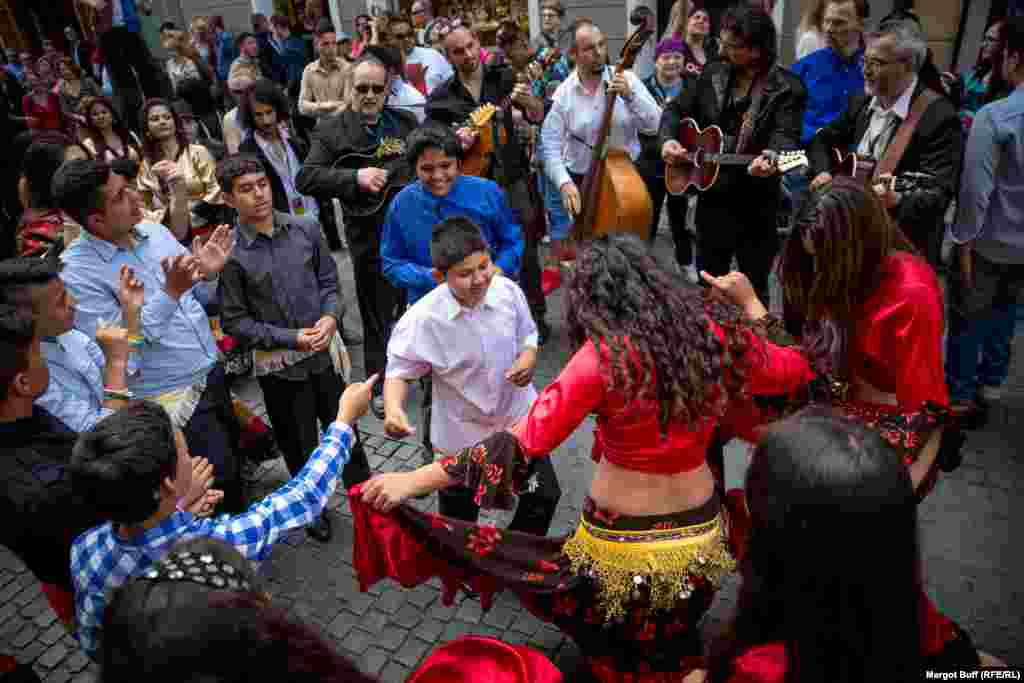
x=475 y=337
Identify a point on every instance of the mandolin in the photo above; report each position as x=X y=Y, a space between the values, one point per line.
x=705 y=158
x=389 y=155
x=863 y=169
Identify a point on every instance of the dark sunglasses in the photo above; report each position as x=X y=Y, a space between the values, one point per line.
x=364 y=88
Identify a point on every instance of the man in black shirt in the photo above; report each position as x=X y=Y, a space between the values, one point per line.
x=40 y=515
x=475 y=84
x=746 y=89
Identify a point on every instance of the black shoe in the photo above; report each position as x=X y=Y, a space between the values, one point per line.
x=320 y=529
x=543 y=332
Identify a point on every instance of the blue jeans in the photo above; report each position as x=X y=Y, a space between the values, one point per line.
x=981 y=327
x=559 y=221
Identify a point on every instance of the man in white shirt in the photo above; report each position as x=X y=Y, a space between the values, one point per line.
x=577 y=107
x=425 y=67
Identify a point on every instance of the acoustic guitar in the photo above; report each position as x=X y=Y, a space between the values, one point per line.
x=390 y=156
x=705 y=157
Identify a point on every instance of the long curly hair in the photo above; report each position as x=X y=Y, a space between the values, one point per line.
x=150 y=147
x=851 y=235
x=654 y=331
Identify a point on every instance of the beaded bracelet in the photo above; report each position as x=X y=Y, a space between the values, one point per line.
x=110 y=394
x=136 y=341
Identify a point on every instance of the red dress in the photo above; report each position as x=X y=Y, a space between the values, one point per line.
x=649 y=641
x=46 y=116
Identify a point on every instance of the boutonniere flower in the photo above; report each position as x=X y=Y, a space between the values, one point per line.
x=389 y=147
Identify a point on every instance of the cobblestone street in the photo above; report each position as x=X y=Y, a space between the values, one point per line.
x=972 y=570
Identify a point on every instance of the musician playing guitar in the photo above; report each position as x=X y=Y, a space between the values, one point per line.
x=869 y=127
x=759 y=106
x=366 y=128
x=475 y=84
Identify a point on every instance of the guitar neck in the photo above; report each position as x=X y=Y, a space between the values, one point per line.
x=731 y=159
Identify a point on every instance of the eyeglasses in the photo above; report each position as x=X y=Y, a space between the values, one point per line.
x=872 y=64
x=364 y=88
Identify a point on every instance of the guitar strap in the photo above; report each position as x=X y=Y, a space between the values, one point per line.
x=901 y=138
x=756 y=95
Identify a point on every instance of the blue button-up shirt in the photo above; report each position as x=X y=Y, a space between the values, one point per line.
x=405 y=245
x=226 y=54
x=991 y=201
x=75 y=393
x=830 y=81
x=180 y=350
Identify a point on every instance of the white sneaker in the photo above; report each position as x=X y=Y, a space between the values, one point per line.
x=991 y=394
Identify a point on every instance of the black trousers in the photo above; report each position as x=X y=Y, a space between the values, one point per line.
x=295 y=406
x=676 y=205
x=746 y=228
x=380 y=302
x=526 y=202
x=536 y=509
x=330 y=225
x=212 y=432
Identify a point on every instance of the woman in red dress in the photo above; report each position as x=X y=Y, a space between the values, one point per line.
x=657 y=363
x=831 y=579
x=40 y=106
x=873 y=321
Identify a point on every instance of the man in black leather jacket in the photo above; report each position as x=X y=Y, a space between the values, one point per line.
x=736 y=216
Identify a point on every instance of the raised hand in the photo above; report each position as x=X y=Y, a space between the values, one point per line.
x=181 y=272
x=673 y=153
x=113 y=340
x=202 y=480
x=211 y=254
x=356 y=400
x=168 y=173
x=131 y=291
x=737 y=288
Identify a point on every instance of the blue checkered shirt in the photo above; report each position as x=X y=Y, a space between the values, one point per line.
x=102 y=561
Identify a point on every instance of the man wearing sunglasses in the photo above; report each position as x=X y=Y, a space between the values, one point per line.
x=893 y=60
x=361 y=129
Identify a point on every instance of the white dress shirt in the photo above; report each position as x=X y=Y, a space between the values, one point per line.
x=437 y=70
x=467 y=353
x=404 y=96
x=571 y=127
x=884 y=123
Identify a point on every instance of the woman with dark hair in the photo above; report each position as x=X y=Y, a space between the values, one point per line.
x=984 y=83
x=265 y=114
x=698 y=46
x=104 y=134
x=203 y=612
x=167 y=156
x=73 y=88
x=658 y=363
x=40 y=106
x=870 y=311
x=829 y=484
x=42 y=224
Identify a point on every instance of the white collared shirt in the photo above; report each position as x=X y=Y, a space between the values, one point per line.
x=571 y=127
x=404 y=96
x=467 y=352
x=884 y=123
x=437 y=70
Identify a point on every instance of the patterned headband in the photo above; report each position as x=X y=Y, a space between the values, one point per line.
x=202 y=568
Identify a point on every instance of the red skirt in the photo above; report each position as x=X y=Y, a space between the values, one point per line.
x=646 y=642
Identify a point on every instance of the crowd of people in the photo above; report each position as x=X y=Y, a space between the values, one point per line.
x=171 y=232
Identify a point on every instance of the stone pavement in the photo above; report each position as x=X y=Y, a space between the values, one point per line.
x=972 y=570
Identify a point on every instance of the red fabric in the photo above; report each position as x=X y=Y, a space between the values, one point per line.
x=478 y=659
x=604 y=672
x=47 y=116
x=897 y=341
x=760 y=664
x=628 y=431
x=386 y=546
x=936 y=628
x=36 y=235
x=62 y=601
x=416 y=74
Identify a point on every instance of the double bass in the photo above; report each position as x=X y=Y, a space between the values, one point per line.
x=614 y=197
